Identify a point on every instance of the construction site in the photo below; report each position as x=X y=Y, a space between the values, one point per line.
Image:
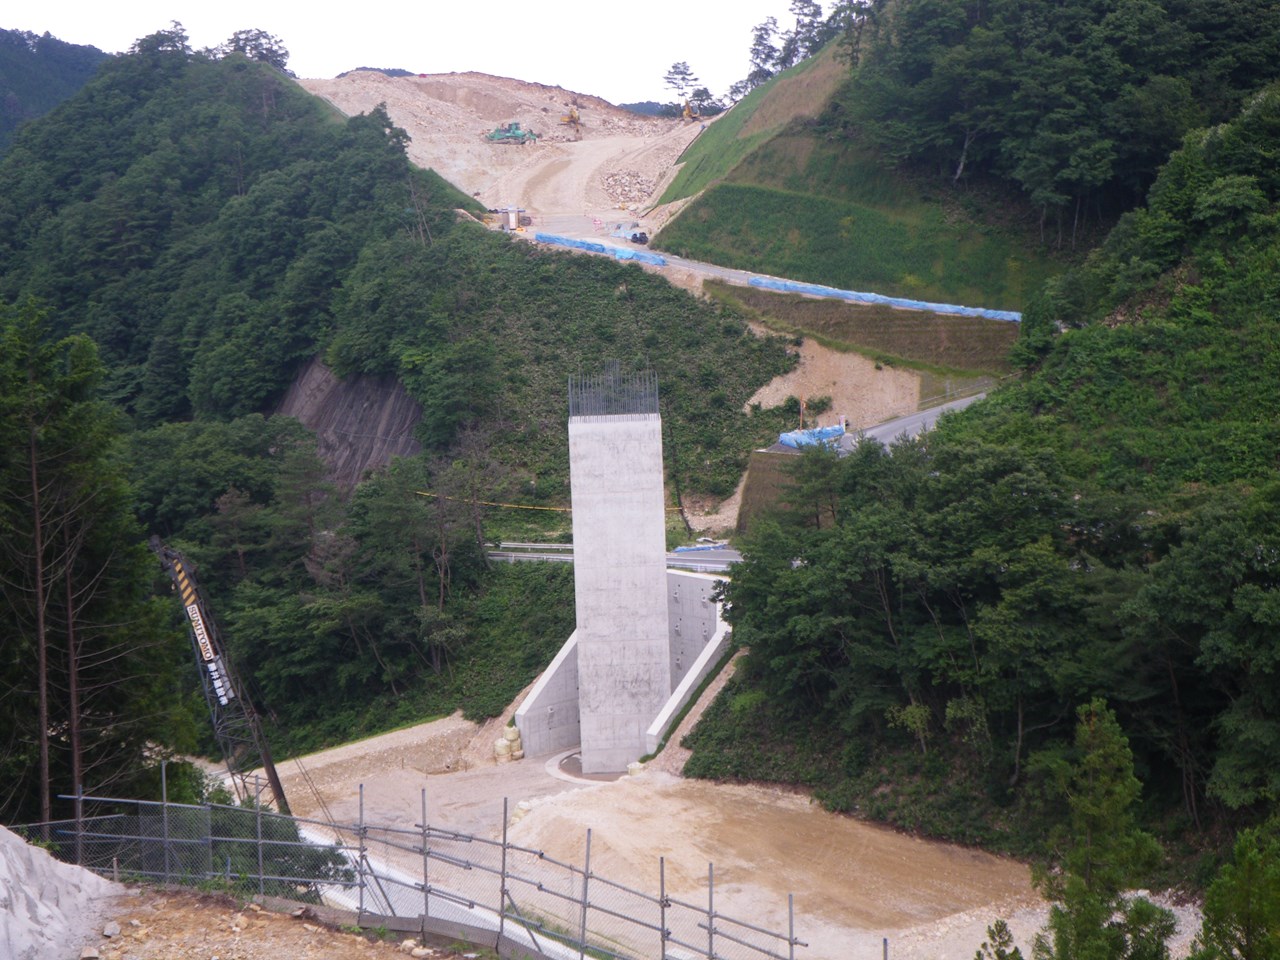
x=770 y=856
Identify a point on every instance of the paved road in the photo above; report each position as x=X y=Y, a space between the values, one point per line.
x=912 y=425
x=583 y=228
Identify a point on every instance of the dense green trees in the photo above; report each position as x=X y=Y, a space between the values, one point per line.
x=1242 y=904
x=1106 y=527
x=1076 y=103
x=36 y=74
x=87 y=674
x=196 y=221
x=257 y=45
x=1099 y=852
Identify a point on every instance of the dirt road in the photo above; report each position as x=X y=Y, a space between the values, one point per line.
x=591 y=178
x=582 y=183
x=853 y=883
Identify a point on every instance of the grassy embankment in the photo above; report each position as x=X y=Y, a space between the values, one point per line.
x=778 y=193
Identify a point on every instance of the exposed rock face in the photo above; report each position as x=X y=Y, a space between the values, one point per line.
x=360 y=423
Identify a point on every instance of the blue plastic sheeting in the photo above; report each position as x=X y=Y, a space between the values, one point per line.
x=811 y=438
x=816 y=290
x=621 y=253
x=589 y=245
x=700 y=547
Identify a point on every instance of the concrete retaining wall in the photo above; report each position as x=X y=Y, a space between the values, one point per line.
x=548 y=719
x=693 y=617
x=703 y=630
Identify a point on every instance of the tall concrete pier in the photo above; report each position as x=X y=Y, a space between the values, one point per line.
x=619 y=546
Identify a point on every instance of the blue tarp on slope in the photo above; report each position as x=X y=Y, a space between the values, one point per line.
x=811 y=438
x=817 y=290
x=787 y=286
x=642 y=256
x=621 y=253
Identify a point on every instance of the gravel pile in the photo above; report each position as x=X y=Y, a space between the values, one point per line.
x=46 y=906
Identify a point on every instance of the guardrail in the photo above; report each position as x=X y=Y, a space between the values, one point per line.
x=425 y=879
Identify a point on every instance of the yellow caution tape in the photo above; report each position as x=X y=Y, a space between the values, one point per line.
x=493 y=503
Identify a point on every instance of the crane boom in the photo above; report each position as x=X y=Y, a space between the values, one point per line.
x=236 y=725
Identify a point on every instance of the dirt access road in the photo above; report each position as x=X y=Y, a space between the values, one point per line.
x=583 y=187
x=854 y=883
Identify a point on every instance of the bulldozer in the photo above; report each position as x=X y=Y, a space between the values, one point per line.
x=511 y=133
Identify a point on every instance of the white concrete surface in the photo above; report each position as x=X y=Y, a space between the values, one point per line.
x=693 y=617
x=712 y=648
x=548 y=718
x=620 y=584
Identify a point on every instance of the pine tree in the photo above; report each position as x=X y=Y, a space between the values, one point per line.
x=680 y=78
x=1099 y=853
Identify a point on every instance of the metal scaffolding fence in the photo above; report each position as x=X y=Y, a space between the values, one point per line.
x=423 y=879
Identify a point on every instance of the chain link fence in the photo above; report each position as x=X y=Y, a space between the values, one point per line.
x=428 y=879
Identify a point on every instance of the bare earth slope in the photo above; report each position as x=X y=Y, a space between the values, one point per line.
x=615 y=163
x=582 y=188
x=360 y=423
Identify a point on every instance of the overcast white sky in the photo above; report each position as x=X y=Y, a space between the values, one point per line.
x=615 y=50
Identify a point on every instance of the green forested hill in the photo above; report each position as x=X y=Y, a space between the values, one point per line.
x=185 y=233
x=965 y=151
x=781 y=190
x=925 y=620
x=36 y=74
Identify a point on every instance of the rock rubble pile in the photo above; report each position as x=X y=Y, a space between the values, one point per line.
x=627 y=187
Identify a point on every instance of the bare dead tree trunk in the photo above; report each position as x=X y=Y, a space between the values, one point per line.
x=1017 y=748
x=969 y=136
x=42 y=640
x=73 y=683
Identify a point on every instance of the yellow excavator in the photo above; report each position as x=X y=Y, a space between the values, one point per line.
x=690 y=112
x=573 y=119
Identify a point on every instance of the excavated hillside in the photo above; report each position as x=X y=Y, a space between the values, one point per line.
x=578 y=181
x=448 y=115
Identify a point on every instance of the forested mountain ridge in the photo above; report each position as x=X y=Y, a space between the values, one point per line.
x=191 y=229
x=138 y=215
x=1105 y=528
x=1077 y=103
x=972 y=148
x=36 y=74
